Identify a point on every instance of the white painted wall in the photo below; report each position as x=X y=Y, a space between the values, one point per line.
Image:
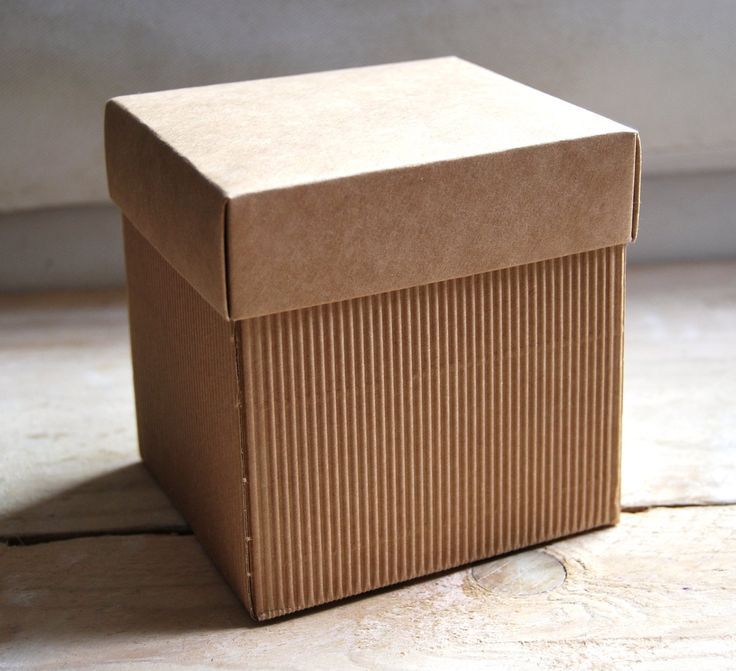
x=662 y=66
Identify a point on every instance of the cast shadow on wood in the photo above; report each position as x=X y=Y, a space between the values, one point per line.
x=140 y=581
x=123 y=500
x=140 y=575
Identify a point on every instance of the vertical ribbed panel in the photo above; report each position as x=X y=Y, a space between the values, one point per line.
x=187 y=396
x=400 y=434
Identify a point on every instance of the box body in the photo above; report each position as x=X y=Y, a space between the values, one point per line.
x=376 y=319
x=327 y=451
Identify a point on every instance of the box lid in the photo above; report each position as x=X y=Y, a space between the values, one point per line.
x=283 y=193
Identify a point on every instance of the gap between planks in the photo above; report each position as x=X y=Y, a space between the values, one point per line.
x=22 y=540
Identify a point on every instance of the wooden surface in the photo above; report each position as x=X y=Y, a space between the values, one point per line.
x=69 y=460
x=660 y=587
x=655 y=592
x=679 y=442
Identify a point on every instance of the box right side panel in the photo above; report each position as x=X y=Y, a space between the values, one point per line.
x=400 y=434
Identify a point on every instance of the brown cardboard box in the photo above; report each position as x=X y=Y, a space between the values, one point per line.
x=376 y=318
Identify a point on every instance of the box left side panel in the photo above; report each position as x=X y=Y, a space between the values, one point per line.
x=188 y=404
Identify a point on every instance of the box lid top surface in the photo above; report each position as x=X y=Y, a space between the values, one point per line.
x=202 y=167
x=265 y=134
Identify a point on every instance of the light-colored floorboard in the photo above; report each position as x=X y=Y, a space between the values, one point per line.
x=679 y=425
x=656 y=592
x=68 y=456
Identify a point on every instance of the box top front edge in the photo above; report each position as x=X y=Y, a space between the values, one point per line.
x=259 y=247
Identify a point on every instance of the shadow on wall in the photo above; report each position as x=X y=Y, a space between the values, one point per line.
x=61 y=248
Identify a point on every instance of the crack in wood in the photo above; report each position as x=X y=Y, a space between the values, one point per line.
x=21 y=540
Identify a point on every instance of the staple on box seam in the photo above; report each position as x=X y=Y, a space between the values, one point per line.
x=244 y=475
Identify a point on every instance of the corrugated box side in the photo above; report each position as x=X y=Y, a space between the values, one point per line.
x=384 y=437
x=188 y=404
x=401 y=434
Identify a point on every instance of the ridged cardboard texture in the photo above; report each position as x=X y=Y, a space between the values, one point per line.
x=384 y=437
x=400 y=434
x=376 y=319
x=187 y=393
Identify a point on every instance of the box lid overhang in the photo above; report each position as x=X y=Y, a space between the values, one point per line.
x=278 y=194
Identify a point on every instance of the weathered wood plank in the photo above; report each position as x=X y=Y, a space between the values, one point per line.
x=69 y=461
x=658 y=591
x=679 y=431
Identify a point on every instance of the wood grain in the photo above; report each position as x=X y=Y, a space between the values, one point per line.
x=69 y=461
x=679 y=426
x=657 y=591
